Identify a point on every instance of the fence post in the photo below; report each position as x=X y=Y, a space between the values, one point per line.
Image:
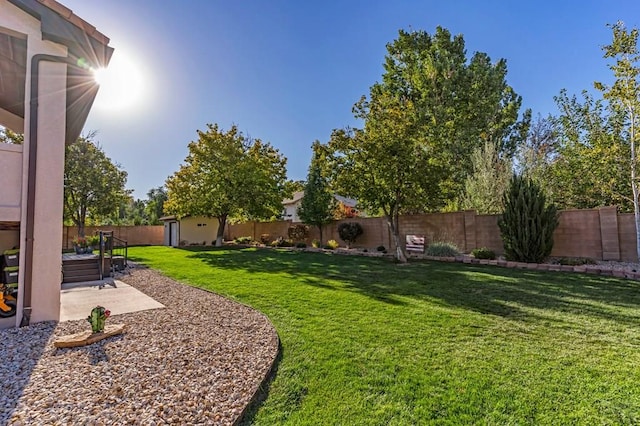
x=470 y=230
x=609 y=233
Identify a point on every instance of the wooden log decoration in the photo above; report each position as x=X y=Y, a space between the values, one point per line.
x=87 y=337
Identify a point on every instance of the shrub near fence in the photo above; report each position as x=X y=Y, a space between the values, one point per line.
x=591 y=233
x=133 y=235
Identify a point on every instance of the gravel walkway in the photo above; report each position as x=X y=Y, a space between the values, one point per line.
x=199 y=361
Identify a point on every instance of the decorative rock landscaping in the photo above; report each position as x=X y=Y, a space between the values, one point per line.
x=199 y=361
x=616 y=269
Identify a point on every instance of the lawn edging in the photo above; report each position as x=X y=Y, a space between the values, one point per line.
x=261 y=390
x=628 y=272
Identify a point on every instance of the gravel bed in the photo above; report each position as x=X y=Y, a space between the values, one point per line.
x=198 y=361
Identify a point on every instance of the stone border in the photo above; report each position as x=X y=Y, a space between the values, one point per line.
x=627 y=272
x=261 y=392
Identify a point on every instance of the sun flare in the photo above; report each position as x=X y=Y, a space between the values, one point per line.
x=122 y=83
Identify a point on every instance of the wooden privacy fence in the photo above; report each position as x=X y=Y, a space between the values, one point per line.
x=601 y=234
x=133 y=235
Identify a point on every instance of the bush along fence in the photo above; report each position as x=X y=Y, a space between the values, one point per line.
x=599 y=234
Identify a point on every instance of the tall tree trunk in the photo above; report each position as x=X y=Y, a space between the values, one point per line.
x=634 y=182
x=222 y=222
x=392 y=221
x=81 y=220
x=320 y=230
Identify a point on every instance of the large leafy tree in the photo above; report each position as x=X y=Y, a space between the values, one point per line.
x=538 y=152
x=386 y=166
x=488 y=182
x=94 y=186
x=154 y=206
x=228 y=175
x=591 y=155
x=421 y=124
x=624 y=95
x=459 y=103
x=318 y=204
x=292 y=186
x=9 y=136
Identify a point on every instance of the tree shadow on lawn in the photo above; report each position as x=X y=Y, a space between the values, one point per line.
x=508 y=293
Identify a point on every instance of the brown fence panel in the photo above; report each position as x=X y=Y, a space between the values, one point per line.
x=578 y=234
x=133 y=235
x=272 y=230
x=436 y=227
x=593 y=233
x=627 y=235
x=237 y=230
x=488 y=233
x=374 y=232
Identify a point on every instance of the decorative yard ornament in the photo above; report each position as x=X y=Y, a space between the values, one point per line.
x=99 y=332
x=97 y=319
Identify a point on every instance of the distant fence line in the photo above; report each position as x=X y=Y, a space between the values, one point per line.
x=600 y=234
x=133 y=235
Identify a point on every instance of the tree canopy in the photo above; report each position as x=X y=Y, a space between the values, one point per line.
x=459 y=103
x=154 y=206
x=488 y=182
x=228 y=175
x=624 y=96
x=591 y=156
x=318 y=204
x=9 y=136
x=421 y=124
x=94 y=186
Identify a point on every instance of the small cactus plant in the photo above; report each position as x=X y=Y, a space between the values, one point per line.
x=97 y=319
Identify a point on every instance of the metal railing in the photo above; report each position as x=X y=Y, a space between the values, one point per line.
x=113 y=251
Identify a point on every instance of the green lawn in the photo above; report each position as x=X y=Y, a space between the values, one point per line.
x=368 y=342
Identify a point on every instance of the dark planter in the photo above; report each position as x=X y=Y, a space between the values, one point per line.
x=83 y=250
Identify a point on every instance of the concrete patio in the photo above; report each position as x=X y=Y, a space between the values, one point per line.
x=77 y=300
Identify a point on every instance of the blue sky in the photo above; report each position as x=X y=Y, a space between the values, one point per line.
x=288 y=72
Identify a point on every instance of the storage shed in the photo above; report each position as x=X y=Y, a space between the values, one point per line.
x=189 y=230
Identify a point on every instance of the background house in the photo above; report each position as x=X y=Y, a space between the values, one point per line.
x=290 y=206
x=47 y=88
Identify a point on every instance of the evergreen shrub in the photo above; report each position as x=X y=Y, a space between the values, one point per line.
x=528 y=222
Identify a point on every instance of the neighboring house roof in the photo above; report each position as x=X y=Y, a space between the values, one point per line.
x=299 y=195
x=174 y=217
x=349 y=202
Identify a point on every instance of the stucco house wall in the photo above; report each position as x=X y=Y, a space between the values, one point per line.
x=32 y=197
x=196 y=230
x=291 y=211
